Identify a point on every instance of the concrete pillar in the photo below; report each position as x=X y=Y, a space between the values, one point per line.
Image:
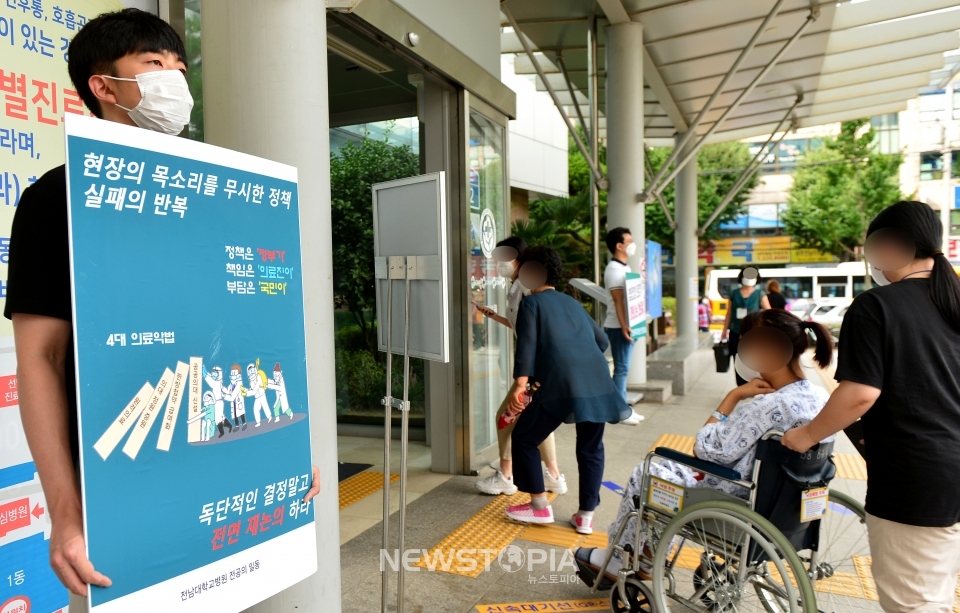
x=265 y=90
x=624 y=48
x=686 y=213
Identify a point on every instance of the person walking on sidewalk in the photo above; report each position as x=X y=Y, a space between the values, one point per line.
x=501 y=481
x=744 y=300
x=617 y=324
x=897 y=368
x=560 y=348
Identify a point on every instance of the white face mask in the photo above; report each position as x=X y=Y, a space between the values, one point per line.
x=748 y=282
x=523 y=288
x=505 y=269
x=878 y=276
x=631 y=249
x=747 y=373
x=165 y=101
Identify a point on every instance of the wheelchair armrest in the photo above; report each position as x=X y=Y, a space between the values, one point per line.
x=702 y=465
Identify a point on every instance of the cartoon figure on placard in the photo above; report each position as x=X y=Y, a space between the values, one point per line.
x=215 y=381
x=282 y=404
x=207 y=426
x=234 y=394
x=258 y=381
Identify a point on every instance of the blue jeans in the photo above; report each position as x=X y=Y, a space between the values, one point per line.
x=622 y=350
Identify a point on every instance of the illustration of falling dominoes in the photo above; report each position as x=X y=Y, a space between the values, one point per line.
x=142 y=411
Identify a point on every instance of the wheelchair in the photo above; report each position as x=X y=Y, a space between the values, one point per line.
x=792 y=546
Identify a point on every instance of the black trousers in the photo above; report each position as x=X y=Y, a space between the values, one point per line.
x=733 y=342
x=532 y=428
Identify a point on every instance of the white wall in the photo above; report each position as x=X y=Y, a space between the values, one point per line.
x=472 y=26
x=538 y=137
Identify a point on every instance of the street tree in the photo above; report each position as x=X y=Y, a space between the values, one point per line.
x=838 y=189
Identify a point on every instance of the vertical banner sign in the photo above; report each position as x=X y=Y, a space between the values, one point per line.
x=636 y=289
x=35 y=96
x=191 y=370
x=654 y=261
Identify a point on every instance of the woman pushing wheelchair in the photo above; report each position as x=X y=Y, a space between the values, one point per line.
x=776 y=397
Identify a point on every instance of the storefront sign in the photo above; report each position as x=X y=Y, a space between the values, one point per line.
x=191 y=367
x=763 y=250
x=953 y=250
x=37 y=95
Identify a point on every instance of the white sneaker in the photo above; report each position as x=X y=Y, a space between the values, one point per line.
x=582 y=525
x=634 y=419
x=496 y=484
x=557 y=486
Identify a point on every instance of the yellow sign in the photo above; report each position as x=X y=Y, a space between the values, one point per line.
x=583 y=604
x=762 y=250
x=35 y=94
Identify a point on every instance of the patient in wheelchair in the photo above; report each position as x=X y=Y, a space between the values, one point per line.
x=777 y=396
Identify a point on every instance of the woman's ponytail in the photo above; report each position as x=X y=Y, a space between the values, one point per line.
x=823 y=351
x=945 y=289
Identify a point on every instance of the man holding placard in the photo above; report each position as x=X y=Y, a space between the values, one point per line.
x=617 y=322
x=128 y=68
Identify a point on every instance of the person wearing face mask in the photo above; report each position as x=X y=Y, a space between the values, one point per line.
x=744 y=300
x=501 y=481
x=560 y=348
x=778 y=398
x=128 y=67
x=617 y=324
x=897 y=369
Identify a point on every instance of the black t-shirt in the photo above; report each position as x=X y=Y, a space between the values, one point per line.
x=895 y=339
x=38 y=274
x=777 y=301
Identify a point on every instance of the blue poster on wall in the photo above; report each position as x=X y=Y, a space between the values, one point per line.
x=654 y=279
x=191 y=370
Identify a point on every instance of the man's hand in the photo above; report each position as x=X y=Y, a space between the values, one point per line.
x=68 y=557
x=627 y=333
x=314 y=487
x=726 y=334
x=798 y=439
x=754 y=388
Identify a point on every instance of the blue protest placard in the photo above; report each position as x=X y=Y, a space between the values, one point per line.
x=191 y=370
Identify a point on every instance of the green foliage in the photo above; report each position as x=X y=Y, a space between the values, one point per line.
x=352 y=172
x=831 y=203
x=361 y=379
x=194 y=74
x=711 y=189
x=565 y=223
x=670 y=304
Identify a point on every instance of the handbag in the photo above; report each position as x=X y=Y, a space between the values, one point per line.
x=721 y=352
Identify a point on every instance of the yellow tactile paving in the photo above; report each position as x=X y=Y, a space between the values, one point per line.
x=360 y=486
x=583 y=604
x=850 y=466
x=480 y=539
x=677 y=442
x=562 y=536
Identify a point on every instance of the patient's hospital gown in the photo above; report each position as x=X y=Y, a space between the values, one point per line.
x=731 y=443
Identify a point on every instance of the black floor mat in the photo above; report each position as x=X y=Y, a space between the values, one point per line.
x=345 y=470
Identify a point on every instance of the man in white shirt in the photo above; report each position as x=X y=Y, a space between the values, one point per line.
x=617 y=325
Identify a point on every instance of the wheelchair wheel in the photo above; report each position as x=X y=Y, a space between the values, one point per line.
x=639 y=597
x=718 y=557
x=842 y=578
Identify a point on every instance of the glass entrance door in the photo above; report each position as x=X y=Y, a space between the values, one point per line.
x=491 y=355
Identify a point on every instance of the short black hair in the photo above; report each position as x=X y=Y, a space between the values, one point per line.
x=550 y=260
x=740 y=275
x=615 y=237
x=514 y=241
x=111 y=36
